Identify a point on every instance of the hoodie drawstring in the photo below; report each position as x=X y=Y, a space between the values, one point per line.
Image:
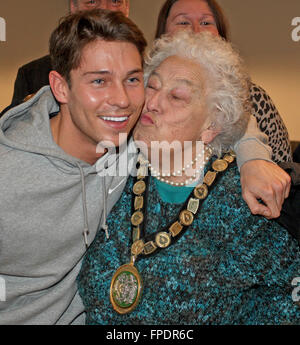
x=104 y=225
x=85 y=215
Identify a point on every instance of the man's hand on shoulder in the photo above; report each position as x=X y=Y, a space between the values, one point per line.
x=265 y=181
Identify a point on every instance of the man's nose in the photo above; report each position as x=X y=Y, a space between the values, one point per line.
x=120 y=97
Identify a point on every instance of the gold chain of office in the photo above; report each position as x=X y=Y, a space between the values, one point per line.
x=126 y=285
x=163 y=239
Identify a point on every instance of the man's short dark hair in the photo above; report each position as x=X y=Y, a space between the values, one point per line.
x=76 y=30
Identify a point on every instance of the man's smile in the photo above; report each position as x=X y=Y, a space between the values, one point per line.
x=114 y=118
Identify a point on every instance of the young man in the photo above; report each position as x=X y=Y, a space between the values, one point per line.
x=35 y=74
x=53 y=199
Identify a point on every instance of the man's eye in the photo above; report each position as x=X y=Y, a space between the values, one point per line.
x=98 y=81
x=90 y=3
x=116 y=2
x=134 y=80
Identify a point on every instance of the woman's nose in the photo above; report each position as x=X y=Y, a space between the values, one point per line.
x=197 y=27
x=153 y=101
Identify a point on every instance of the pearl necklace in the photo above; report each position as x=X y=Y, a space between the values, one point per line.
x=161 y=176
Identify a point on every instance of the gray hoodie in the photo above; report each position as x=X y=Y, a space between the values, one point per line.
x=48 y=199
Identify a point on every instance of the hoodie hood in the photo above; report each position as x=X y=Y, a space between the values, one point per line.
x=52 y=205
x=27 y=128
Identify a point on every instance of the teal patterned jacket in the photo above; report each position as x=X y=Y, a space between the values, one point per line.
x=229 y=267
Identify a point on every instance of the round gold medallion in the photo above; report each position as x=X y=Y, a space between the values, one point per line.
x=201 y=191
x=139 y=187
x=125 y=289
x=186 y=218
x=137 y=218
x=163 y=239
x=220 y=165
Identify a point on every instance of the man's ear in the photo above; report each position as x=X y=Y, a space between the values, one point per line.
x=127 y=8
x=59 y=87
x=73 y=8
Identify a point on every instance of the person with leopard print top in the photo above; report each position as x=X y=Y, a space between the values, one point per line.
x=270 y=122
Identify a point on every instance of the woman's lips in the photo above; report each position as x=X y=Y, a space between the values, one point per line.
x=146 y=119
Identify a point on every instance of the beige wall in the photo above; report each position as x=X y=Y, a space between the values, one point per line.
x=263 y=32
x=261 y=29
x=28 y=27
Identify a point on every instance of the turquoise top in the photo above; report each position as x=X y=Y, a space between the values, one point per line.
x=229 y=267
x=172 y=194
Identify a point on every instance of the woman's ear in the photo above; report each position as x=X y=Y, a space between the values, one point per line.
x=59 y=87
x=209 y=134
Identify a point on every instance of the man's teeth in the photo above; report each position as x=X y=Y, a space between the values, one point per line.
x=116 y=119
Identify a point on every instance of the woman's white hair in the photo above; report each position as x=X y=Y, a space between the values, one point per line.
x=227 y=95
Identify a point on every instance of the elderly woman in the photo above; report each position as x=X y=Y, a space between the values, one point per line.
x=207 y=15
x=184 y=249
x=268 y=181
